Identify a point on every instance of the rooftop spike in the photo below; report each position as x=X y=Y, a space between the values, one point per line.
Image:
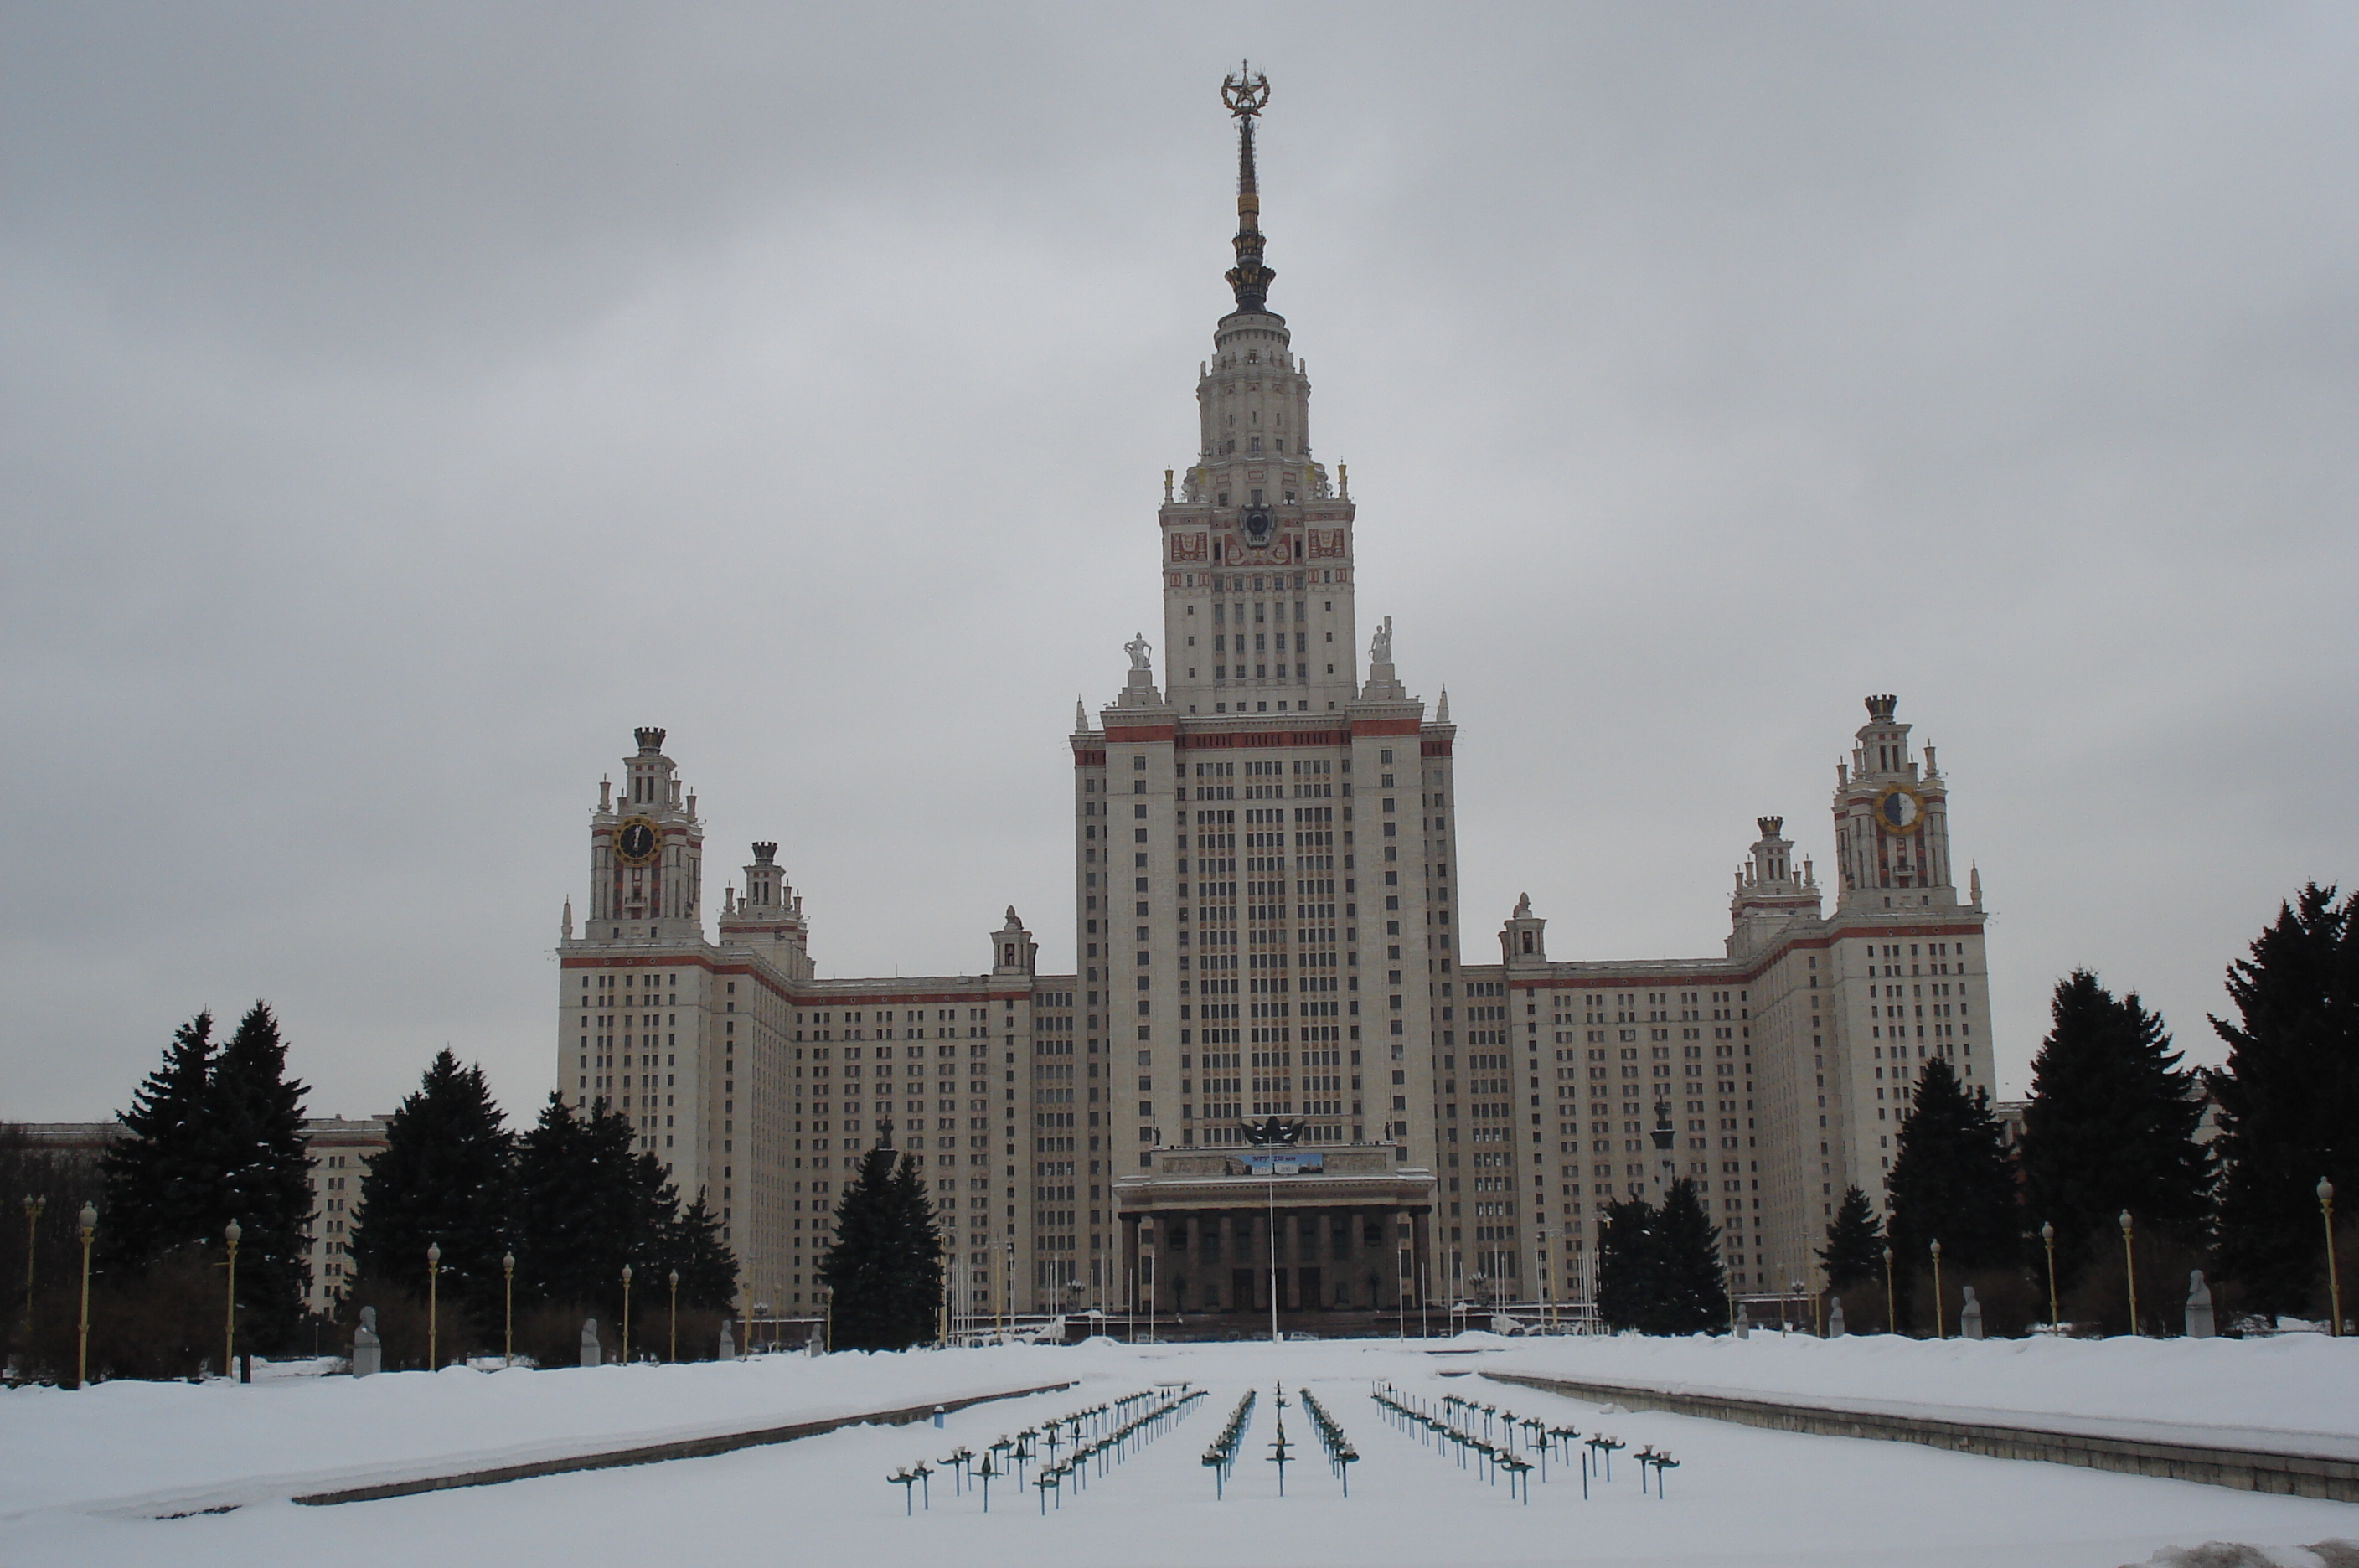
x=1246 y=92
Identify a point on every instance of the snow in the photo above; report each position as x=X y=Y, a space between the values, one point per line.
x=80 y=1473
x=2294 y=1393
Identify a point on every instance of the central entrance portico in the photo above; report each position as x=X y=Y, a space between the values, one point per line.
x=1352 y=1230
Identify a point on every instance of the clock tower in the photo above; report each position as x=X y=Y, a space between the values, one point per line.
x=646 y=853
x=1892 y=821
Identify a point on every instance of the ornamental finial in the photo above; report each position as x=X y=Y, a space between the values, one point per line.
x=1246 y=92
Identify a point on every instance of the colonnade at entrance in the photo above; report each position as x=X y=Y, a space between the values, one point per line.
x=1206 y=1234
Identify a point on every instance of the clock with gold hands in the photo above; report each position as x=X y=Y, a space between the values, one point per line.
x=1900 y=809
x=637 y=842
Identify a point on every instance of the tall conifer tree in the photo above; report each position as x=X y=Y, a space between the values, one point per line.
x=1626 y=1264
x=1690 y=1293
x=442 y=1178
x=584 y=1206
x=2111 y=1126
x=2290 y=1099
x=1950 y=1180
x=265 y=1179
x=708 y=1271
x=160 y=1177
x=1854 y=1250
x=885 y=1265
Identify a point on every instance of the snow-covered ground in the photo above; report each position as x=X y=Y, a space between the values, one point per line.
x=72 y=1464
x=2298 y=1392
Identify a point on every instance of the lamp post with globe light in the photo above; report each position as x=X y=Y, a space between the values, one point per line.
x=81 y=1352
x=507 y=1310
x=1940 y=1330
x=433 y=1305
x=230 y=1233
x=673 y=1355
x=2048 y=1240
x=2129 y=1269
x=1891 y=1316
x=2333 y=1279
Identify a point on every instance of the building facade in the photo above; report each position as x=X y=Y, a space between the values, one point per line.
x=1264 y=848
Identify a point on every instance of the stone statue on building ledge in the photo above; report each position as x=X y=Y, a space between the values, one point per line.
x=1140 y=651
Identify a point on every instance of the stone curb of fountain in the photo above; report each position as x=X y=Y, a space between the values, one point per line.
x=660 y=1452
x=2245 y=1470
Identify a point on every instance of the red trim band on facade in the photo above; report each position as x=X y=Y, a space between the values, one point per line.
x=1731 y=976
x=1437 y=747
x=1214 y=741
x=1135 y=734
x=1386 y=726
x=1088 y=759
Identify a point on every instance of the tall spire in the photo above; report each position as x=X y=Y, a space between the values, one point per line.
x=1246 y=92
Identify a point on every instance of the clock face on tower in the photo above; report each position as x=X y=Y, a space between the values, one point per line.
x=637 y=842
x=1899 y=809
x=1256 y=525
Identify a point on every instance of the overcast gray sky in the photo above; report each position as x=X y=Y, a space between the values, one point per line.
x=399 y=404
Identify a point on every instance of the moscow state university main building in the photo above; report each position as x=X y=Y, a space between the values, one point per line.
x=1275 y=1002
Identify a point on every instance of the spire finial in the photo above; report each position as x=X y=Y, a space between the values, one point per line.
x=1246 y=92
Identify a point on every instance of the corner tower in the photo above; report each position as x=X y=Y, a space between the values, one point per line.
x=1892 y=821
x=646 y=853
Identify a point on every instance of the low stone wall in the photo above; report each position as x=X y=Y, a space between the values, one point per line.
x=2246 y=1470
x=657 y=1453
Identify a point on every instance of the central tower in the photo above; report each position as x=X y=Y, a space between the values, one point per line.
x=1262 y=853
x=1256 y=514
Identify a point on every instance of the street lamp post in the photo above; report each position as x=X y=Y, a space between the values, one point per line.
x=81 y=1352
x=507 y=1310
x=674 y=1354
x=33 y=1207
x=626 y=1314
x=433 y=1304
x=230 y=1233
x=1939 y=1330
x=1891 y=1317
x=2048 y=1240
x=2333 y=1279
x=1271 y=1172
x=2129 y=1269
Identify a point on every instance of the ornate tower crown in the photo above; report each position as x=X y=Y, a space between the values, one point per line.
x=650 y=741
x=1879 y=709
x=1246 y=92
x=766 y=853
x=1770 y=826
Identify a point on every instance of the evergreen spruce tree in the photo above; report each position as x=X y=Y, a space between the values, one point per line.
x=917 y=1302
x=583 y=1208
x=1950 y=1180
x=2290 y=1099
x=2111 y=1126
x=442 y=1178
x=1691 y=1294
x=708 y=1271
x=1626 y=1264
x=885 y=1265
x=264 y=1181
x=1853 y=1254
x=160 y=1178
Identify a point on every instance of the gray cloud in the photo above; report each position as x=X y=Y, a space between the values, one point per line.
x=396 y=408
